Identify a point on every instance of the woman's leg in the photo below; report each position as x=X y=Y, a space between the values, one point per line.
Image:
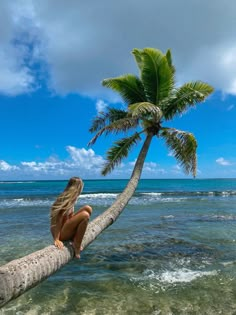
x=78 y=237
x=75 y=227
x=86 y=208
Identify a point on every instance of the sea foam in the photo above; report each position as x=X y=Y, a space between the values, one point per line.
x=165 y=279
x=183 y=275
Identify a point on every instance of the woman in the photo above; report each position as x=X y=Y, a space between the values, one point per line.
x=65 y=224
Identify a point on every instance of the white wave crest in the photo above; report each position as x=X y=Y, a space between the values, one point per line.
x=99 y=195
x=225 y=193
x=183 y=275
x=151 y=194
x=167 y=216
x=21 y=202
x=13 y=182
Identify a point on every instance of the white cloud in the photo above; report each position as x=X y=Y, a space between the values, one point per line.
x=150 y=169
x=230 y=108
x=18 y=45
x=4 y=166
x=84 y=163
x=81 y=161
x=43 y=167
x=86 y=159
x=176 y=169
x=81 y=46
x=171 y=153
x=223 y=162
x=101 y=106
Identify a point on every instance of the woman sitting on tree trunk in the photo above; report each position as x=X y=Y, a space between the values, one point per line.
x=65 y=224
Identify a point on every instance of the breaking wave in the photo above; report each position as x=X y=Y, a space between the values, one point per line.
x=105 y=199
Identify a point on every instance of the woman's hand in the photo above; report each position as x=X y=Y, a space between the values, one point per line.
x=58 y=244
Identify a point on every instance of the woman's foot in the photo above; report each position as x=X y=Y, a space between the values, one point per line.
x=77 y=250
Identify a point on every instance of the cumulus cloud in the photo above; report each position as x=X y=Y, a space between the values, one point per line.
x=81 y=44
x=43 y=167
x=18 y=47
x=101 y=106
x=223 y=162
x=4 y=166
x=86 y=159
x=81 y=162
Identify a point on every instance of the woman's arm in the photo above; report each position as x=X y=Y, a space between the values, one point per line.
x=56 y=230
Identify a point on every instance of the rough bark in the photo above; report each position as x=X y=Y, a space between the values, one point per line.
x=20 y=275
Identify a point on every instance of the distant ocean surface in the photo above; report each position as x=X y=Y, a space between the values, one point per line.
x=172 y=251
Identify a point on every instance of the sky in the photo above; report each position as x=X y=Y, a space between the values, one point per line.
x=54 y=55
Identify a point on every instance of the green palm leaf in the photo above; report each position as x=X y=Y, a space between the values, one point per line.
x=169 y=60
x=99 y=121
x=156 y=75
x=184 y=145
x=145 y=108
x=102 y=119
x=187 y=95
x=138 y=57
x=121 y=125
x=119 y=151
x=128 y=86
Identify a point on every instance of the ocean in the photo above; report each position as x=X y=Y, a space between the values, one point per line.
x=172 y=250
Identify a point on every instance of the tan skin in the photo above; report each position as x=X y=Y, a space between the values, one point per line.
x=71 y=227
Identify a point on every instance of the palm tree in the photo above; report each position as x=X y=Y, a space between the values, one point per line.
x=152 y=99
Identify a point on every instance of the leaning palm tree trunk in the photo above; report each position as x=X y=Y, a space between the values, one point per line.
x=20 y=275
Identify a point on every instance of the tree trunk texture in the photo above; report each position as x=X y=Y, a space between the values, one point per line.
x=18 y=276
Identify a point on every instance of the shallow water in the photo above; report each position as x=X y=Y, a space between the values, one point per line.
x=172 y=251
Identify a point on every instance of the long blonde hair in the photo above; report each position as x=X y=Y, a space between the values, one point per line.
x=66 y=200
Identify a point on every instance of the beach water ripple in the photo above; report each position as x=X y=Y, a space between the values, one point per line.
x=172 y=251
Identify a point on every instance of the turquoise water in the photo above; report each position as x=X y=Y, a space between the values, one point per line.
x=172 y=251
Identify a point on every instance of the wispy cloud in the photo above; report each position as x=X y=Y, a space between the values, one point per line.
x=230 y=108
x=176 y=169
x=223 y=162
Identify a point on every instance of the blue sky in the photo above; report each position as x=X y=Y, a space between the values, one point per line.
x=54 y=56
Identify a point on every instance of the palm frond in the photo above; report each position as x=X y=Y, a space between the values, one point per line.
x=119 y=151
x=108 y=117
x=99 y=122
x=156 y=75
x=183 y=145
x=121 y=125
x=187 y=95
x=138 y=57
x=144 y=109
x=116 y=114
x=169 y=60
x=128 y=86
